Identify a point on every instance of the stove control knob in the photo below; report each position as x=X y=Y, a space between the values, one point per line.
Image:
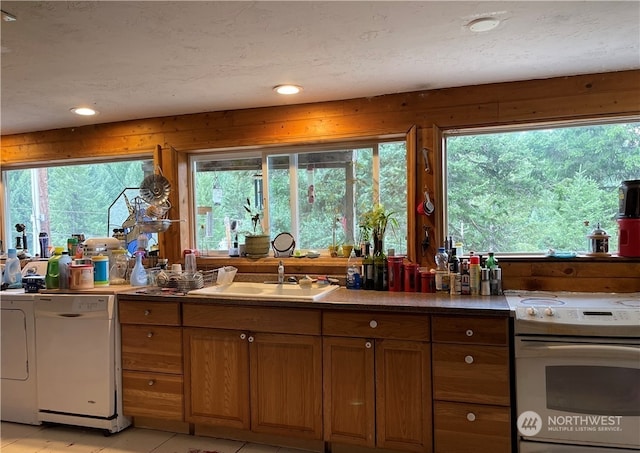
x=532 y=311
x=549 y=311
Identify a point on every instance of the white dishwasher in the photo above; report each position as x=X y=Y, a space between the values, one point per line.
x=79 y=377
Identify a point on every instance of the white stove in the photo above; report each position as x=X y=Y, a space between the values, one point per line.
x=575 y=313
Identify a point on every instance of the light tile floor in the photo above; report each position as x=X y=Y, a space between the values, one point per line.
x=18 y=438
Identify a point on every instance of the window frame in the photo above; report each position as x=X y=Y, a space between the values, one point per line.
x=444 y=133
x=409 y=138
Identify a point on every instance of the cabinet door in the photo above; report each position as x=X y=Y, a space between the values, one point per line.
x=403 y=391
x=349 y=391
x=216 y=377
x=286 y=385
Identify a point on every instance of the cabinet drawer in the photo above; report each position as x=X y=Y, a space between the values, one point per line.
x=152 y=348
x=376 y=325
x=469 y=373
x=166 y=313
x=254 y=319
x=470 y=329
x=152 y=395
x=463 y=428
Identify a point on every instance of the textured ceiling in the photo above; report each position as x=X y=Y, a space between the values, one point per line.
x=141 y=59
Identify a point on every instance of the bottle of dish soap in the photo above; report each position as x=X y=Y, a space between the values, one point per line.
x=138 y=273
x=52 y=279
x=12 y=274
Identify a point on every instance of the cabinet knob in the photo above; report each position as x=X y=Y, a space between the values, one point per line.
x=468 y=359
x=243 y=336
x=250 y=339
x=151 y=382
x=149 y=334
x=368 y=345
x=469 y=333
x=471 y=416
x=147 y=312
x=373 y=323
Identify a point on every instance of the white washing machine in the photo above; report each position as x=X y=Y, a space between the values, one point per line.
x=18 y=386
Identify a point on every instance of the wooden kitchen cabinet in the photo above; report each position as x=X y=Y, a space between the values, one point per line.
x=471 y=384
x=152 y=368
x=377 y=380
x=254 y=368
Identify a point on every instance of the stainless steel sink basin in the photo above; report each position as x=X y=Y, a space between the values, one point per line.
x=252 y=290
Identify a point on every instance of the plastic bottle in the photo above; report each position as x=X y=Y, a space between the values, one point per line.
x=474 y=275
x=52 y=279
x=353 y=274
x=12 y=273
x=442 y=270
x=138 y=273
x=63 y=266
x=492 y=262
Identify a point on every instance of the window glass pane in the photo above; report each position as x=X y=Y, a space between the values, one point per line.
x=393 y=196
x=222 y=188
x=593 y=390
x=72 y=199
x=280 y=215
x=333 y=188
x=533 y=190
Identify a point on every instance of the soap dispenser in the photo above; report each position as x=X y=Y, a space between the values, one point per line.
x=138 y=273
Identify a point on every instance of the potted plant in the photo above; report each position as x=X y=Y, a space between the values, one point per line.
x=256 y=244
x=375 y=222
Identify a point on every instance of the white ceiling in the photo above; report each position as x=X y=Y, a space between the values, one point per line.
x=140 y=59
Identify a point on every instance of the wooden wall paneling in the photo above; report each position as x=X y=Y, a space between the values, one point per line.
x=425 y=182
x=569 y=106
x=178 y=236
x=413 y=167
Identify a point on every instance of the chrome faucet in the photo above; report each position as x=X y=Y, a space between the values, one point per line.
x=280 y=272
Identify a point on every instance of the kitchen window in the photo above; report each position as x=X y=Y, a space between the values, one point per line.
x=316 y=193
x=530 y=189
x=69 y=199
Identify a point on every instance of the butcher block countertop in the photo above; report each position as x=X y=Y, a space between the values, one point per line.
x=345 y=299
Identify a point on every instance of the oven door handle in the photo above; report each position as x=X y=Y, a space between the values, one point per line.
x=613 y=352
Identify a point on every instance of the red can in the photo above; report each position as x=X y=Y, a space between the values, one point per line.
x=395 y=272
x=411 y=277
x=427 y=282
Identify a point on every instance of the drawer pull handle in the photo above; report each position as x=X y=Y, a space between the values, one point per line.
x=149 y=334
x=373 y=324
x=368 y=345
x=151 y=382
x=468 y=359
x=147 y=312
x=471 y=417
x=250 y=339
x=243 y=336
x=469 y=333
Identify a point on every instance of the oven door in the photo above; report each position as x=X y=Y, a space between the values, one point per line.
x=582 y=391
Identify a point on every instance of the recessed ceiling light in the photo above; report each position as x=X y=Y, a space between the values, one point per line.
x=84 y=111
x=287 y=89
x=483 y=24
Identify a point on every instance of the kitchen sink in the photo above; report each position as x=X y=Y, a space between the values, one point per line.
x=269 y=291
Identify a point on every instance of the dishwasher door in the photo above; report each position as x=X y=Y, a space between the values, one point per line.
x=75 y=350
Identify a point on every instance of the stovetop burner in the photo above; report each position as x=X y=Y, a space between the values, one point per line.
x=546 y=301
x=634 y=303
x=575 y=313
